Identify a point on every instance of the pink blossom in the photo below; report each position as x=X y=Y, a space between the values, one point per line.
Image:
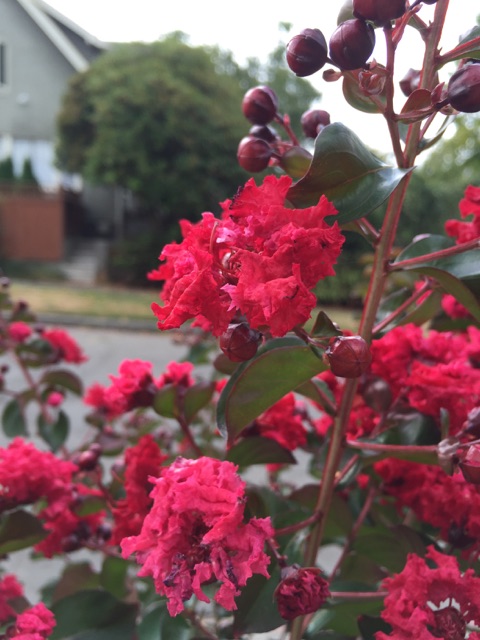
x=195 y=534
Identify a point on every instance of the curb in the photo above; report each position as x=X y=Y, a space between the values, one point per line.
x=120 y=324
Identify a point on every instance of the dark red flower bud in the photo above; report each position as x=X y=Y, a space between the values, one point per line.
x=314 y=121
x=377 y=393
x=307 y=52
x=253 y=154
x=410 y=82
x=260 y=104
x=458 y=537
x=463 y=91
x=352 y=44
x=348 y=356
x=470 y=465
x=240 y=342
x=264 y=132
x=379 y=11
x=301 y=591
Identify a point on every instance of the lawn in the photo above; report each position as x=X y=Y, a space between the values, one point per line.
x=113 y=302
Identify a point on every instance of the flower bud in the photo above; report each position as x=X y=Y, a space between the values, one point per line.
x=377 y=393
x=259 y=105
x=253 y=154
x=264 y=132
x=307 y=52
x=301 y=591
x=240 y=342
x=463 y=91
x=314 y=121
x=410 y=82
x=348 y=356
x=379 y=11
x=351 y=44
x=470 y=465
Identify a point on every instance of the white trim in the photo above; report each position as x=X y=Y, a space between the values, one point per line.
x=59 y=39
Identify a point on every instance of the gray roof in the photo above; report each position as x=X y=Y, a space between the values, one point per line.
x=77 y=45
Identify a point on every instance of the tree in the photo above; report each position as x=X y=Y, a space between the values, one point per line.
x=154 y=118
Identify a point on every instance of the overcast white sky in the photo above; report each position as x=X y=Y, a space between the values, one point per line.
x=250 y=29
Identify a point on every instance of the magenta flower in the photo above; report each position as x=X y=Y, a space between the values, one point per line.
x=194 y=534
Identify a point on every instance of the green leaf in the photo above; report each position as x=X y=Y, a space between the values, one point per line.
x=256 y=611
x=65 y=379
x=164 y=402
x=281 y=366
x=390 y=547
x=13 y=420
x=113 y=576
x=347 y=173
x=55 y=433
x=318 y=391
x=341 y=617
x=324 y=327
x=93 y=615
x=257 y=450
x=196 y=398
x=157 y=624
x=468 y=47
x=75 y=577
x=370 y=625
x=19 y=530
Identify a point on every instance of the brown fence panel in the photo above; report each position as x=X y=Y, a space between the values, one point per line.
x=31 y=226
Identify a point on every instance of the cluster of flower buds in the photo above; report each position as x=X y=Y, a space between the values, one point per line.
x=263 y=146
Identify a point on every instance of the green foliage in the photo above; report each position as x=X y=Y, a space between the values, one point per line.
x=158 y=119
x=6 y=170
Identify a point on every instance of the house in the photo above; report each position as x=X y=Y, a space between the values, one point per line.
x=40 y=49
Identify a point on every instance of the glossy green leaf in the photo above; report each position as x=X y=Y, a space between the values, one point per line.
x=318 y=391
x=13 y=420
x=54 y=433
x=196 y=398
x=257 y=612
x=295 y=162
x=341 y=616
x=19 y=530
x=347 y=173
x=281 y=366
x=93 y=615
x=65 y=379
x=259 y=450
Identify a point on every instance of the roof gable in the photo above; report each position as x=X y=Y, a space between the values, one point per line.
x=74 y=43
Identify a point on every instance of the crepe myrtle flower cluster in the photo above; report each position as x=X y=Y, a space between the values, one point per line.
x=258 y=264
x=195 y=534
x=426 y=602
x=33 y=623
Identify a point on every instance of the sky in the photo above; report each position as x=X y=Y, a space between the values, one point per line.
x=250 y=28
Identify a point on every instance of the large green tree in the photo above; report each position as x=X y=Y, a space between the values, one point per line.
x=159 y=119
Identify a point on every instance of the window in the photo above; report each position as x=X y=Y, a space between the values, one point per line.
x=3 y=65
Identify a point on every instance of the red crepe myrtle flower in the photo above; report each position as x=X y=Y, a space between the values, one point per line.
x=35 y=623
x=19 y=331
x=260 y=260
x=426 y=603
x=436 y=498
x=281 y=422
x=27 y=474
x=453 y=308
x=469 y=205
x=195 y=534
x=301 y=591
x=64 y=345
x=141 y=461
x=10 y=589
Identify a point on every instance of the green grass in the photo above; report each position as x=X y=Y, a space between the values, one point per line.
x=110 y=302
x=115 y=302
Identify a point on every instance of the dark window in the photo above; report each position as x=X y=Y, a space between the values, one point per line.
x=3 y=64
